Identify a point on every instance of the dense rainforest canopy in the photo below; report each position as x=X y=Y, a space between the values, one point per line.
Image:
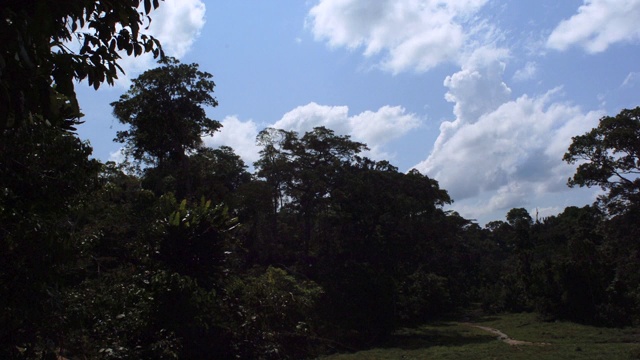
x=188 y=255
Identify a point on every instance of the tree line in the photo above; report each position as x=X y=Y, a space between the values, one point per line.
x=180 y=252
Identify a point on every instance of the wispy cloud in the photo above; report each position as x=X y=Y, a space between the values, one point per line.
x=631 y=79
x=528 y=72
x=597 y=25
x=117 y=156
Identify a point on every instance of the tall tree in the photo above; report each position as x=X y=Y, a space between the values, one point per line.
x=38 y=68
x=609 y=157
x=164 y=109
x=274 y=162
x=304 y=169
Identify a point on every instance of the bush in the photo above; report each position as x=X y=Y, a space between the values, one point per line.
x=358 y=304
x=272 y=315
x=421 y=296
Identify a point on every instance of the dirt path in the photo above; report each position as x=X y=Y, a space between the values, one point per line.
x=504 y=337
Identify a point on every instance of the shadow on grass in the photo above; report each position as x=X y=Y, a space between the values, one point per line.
x=435 y=334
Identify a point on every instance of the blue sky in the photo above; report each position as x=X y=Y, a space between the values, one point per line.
x=481 y=95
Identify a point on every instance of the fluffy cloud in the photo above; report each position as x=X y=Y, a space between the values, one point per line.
x=598 y=24
x=478 y=87
x=375 y=128
x=239 y=135
x=380 y=127
x=177 y=24
x=305 y=118
x=418 y=34
x=475 y=90
x=497 y=151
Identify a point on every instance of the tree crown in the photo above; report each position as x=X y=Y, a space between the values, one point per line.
x=609 y=157
x=164 y=108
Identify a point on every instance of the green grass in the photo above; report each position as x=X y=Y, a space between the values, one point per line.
x=455 y=340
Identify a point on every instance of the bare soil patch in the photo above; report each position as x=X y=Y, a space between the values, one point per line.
x=504 y=337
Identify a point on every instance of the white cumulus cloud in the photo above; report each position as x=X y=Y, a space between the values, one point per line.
x=597 y=25
x=411 y=35
x=305 y=118
x=478 y=87
x=177 y=24
x=239 y=135
x=514 y=152
x=374 y=128
x=500 y=153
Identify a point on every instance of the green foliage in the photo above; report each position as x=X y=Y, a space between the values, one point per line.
x=334 y=251
x=44 y=173
x=423 y=296
x=391 y=232
x=165 y=114
x=217 y=174
x=142 y=314
x=575 y=266
x=37 y=66
x=356 y=226
x=195 y=239
x=611 y=155
x=113 y=317
x=519 y=217
x=622 y=251
x=152 y=273
x=274 y=314
x=191 y=312
x=302 y=172
x=358 y=304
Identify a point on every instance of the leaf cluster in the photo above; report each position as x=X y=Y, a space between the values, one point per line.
x=38 y=65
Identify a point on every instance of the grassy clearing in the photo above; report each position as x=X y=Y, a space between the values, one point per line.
x=455 y=340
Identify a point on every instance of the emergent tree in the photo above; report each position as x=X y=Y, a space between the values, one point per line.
x=611 y=155
x=164 y=109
